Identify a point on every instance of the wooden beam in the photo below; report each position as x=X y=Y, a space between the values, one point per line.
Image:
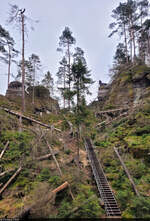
x=3 y=151
x=127 y=172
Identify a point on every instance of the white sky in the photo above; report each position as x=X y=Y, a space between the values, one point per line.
x=88 y=20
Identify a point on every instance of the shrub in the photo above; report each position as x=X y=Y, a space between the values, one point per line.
x=44 y=175
x=56 y=180
x=18 y=146
x=140 y=207
x=67 y=151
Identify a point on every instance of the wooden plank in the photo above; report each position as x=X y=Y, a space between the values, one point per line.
x=127 y=171
x=3 y=151
x=10 y=180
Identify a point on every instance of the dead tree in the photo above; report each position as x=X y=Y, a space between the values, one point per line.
x=3 y=151
x=53 y=155
x=10 y=180
x=127 y=172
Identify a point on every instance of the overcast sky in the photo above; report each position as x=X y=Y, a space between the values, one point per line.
x=88 y=20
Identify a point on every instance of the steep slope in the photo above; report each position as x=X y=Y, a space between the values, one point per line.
x=130 y=134
x=31 y=189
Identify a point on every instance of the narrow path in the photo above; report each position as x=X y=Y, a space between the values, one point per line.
x=106 y=194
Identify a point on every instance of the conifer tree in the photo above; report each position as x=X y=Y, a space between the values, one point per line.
x=82 y=82
x=66 y=41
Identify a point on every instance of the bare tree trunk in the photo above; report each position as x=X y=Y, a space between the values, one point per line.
x=127 y=172
x=9 y=62
x=64 y=86
x=33 y=94
x=10 y=180
x=47 y=156
x=133 y=39
x=3 y=151
x=23 y=70
x=62 y=187
x=125 y=41
x=5 y=172
x=53 y=155
x=69 y=73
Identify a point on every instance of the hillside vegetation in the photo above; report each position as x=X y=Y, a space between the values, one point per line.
x=37 y=179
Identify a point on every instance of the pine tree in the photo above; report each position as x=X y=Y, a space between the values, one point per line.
x=66 y=41
x=7 y=50
x=82 y=82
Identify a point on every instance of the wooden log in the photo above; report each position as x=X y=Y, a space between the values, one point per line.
x=60 y=188
x=30 y=119
x=113 y=110
x=3 y=151
x=108 y=122
x=53 y=155
x=47 y=156
x=10 y=180
x=5 y=172
x=127 y=172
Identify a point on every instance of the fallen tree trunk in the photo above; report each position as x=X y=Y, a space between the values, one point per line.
x=3 y=151
x=5 y=172
x=113 y=110
x=47 y=156
x=60 y=188
x=108 y=122
x=53 y=155
x=127 y=172
x=30 y=119
x=10 y=180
